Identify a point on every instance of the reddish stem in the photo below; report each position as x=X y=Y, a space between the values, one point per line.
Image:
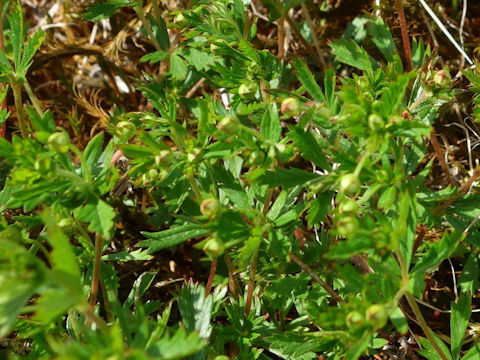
x=211 y=275
x=439 y=153
x=405 y=39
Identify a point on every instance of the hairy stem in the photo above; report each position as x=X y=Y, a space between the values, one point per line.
x=281 y=38
x=440 y=158
x=17 y=95
x=146 y=24
x=33 y=98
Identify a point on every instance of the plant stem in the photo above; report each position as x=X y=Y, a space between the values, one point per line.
x=146 y=24
x=96 y=270
x=315 y=277
x=281 y=38
x=423 y=324
x=441 y=160
x=320 y=61
x=404 y=31
x=233 y=286
x=316 y=43
x=17 y=95
x=251 y=282
x=211 y=275
x=33 y=98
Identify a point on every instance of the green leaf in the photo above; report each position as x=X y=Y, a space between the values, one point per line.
x=307 y=80
x=155 y=57
x=319 y=207
x=179 y=346
x=409 y=128
x=382 y=38
x=93 y=151
x=139 y=288
x=16 y=33
x=468 y=280
x=5 y=147
x=394 y=94
x=270 y=128
x=311 y=147
x=429 y=351
x=62 y=257
x=98 y=12
x=171 y=237
x=437 y=252
x=178 y=68
x=398 y=320
x=33 y=44
x=45 y=123
x=286 y=177
x=348 y=52
x=125 y=255
x=196 y=309
x=473 y=353
x=99 y=215
x=201 y=60
x=459 y=319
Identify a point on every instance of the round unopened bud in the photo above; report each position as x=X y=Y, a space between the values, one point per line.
x=59 y=141
x=228 y=124
x=214 y=247
x=256 y=157
x=248 y=90
x=125 y=130
x=375 y=122
x=349 y=184
x=163 y=158
x=377 y=315
x=347 y=206
x=354 y=318
x=291 y=106
x=347 y=226
x=210 y=207
x=442 y=78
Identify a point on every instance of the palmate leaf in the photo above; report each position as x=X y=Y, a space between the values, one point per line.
x=195 y=309
x=99 y=215
x=164 y=239
x=270 y=127
x=179 y=346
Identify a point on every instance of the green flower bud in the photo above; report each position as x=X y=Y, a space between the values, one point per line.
x=354 y=318
x=375 y=122
x=214 y=247
x=348 y=206
x=349 y=184
x=377 y=315
x=256 y=157
x=248 y=90
x=228 y=124
x=59 y=142
x=164 y=158
x=291 y=106
x=347 y=226
x=125 y=130
x=210 y=207
x=442 y=78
